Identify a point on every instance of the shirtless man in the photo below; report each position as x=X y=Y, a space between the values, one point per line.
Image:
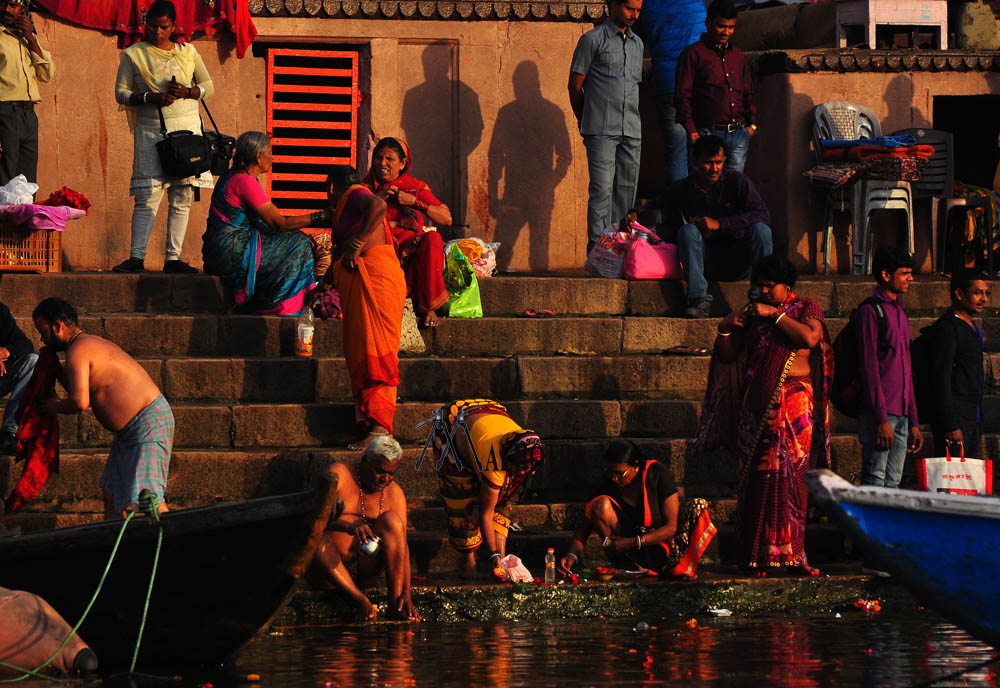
x=478 y=502
x=374 y=506
x=99 y=375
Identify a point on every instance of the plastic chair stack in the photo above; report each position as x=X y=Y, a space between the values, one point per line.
x=938 y=183
x=843 y=120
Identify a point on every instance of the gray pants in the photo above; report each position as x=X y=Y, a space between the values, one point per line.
x=19 y=138
x=147 y=202
x=18 y=373
x=613 y=162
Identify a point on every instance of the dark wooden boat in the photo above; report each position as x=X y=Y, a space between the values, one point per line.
x=225 y=572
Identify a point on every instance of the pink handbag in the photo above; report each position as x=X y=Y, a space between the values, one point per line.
x=647 y=260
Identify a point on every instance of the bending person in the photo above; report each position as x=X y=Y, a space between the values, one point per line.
x=248 y=242
x=408 y=200
x=100 y=376
x=374 y=506
x=641 y=520
x=366 y=273
x=478 y=502
x=160 y=78
x=779 y=412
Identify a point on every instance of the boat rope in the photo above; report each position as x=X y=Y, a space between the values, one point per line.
x=148 y=503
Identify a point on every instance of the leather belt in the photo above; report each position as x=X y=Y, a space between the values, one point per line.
x=730 y=127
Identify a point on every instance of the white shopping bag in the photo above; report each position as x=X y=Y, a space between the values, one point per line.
x=607 y=257
x=955 y=476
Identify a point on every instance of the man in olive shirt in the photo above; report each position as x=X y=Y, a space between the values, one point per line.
x=23 y=63
x=604 y=93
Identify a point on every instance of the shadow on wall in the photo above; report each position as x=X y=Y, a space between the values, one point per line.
x=530 y=151
x=443 y=124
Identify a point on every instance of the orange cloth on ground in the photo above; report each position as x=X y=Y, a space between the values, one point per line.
x=372 y=300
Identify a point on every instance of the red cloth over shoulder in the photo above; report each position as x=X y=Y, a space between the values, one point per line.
x=37 y=433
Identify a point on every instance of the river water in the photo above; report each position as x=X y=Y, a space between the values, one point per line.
x=888 y=649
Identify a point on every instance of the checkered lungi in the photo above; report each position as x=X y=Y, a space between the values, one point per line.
x=140 y=456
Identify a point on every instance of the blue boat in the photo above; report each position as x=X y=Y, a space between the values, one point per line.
x=945 y=548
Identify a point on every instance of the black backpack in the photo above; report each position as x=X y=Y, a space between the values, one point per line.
x=846 y=391
x=921 y=365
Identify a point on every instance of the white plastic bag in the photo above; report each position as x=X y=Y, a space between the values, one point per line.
x=517 y=572
x=17 y=191
x=607 y=257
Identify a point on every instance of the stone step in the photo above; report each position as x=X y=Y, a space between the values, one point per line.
x=258 y=426
x=571 y=473
x=564 y=294
x=271 y=337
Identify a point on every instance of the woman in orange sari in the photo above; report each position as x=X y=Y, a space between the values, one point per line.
x=366 y=273
x=409 y=202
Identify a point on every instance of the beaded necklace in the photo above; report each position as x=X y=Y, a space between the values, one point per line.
x=361 y=497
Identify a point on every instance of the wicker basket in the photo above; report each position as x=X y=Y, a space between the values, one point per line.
x=29 y=250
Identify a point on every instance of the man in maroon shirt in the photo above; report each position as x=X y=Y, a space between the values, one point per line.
x=714 y=91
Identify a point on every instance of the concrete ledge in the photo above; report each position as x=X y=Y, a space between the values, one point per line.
x=678 y=600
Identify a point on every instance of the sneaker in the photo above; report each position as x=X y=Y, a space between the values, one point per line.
x=698 y=309
x=130 y=265
x=8 y=443
x=179 y=267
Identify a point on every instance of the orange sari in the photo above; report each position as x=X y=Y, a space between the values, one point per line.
x=372 y=299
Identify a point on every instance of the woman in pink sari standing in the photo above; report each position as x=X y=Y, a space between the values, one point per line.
x=769 y=379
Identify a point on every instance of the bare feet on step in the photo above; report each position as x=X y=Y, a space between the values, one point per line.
x=363 y=443
x=429 y=319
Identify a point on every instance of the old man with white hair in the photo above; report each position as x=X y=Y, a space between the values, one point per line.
x=371 y=531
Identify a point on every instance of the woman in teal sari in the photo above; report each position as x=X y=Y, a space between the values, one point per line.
x=250 y=244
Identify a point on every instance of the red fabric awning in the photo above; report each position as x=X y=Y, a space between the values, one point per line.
x=127 y=18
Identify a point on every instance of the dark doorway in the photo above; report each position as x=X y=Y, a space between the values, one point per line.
x=975 y=123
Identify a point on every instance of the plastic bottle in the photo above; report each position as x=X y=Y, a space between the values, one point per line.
x=550 y=566
x=304 y=333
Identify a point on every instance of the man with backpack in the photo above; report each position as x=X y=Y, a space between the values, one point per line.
x=950 y=355
x=887 y=416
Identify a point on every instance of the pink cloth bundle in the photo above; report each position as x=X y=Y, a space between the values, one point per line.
x=36 y=216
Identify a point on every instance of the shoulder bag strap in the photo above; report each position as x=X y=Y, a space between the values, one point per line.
x=163 y=124
x=211 y=119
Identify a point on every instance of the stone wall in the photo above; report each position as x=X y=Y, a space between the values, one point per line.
x=781 y=150
x=483 y=105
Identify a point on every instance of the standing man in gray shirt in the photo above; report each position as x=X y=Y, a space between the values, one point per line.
x=604 y=92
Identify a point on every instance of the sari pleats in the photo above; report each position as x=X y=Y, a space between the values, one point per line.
x=372 y=300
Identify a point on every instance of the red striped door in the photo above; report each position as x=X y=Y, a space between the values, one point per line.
x=312 y=119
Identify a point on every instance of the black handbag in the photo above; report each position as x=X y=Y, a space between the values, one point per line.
x=186 y=154
x=182 y=153
x=221 y=147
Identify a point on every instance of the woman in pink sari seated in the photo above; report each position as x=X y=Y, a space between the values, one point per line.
x=409 y=202
x=769 y=380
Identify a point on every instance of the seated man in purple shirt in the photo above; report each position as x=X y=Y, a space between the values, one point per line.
x=887 y=421
x=723 y=225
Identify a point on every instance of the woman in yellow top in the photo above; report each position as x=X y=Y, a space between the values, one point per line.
x=478 y=501
x=158 y=75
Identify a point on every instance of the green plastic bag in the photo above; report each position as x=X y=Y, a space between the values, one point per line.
x=462 y=285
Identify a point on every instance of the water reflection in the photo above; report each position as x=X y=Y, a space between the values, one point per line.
x=888 y=650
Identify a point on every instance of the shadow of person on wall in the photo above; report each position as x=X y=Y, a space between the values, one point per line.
x=530 y=151
x=443 y=124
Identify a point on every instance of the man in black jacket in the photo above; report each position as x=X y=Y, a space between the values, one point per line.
x=17 y=362
x=956 y=373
